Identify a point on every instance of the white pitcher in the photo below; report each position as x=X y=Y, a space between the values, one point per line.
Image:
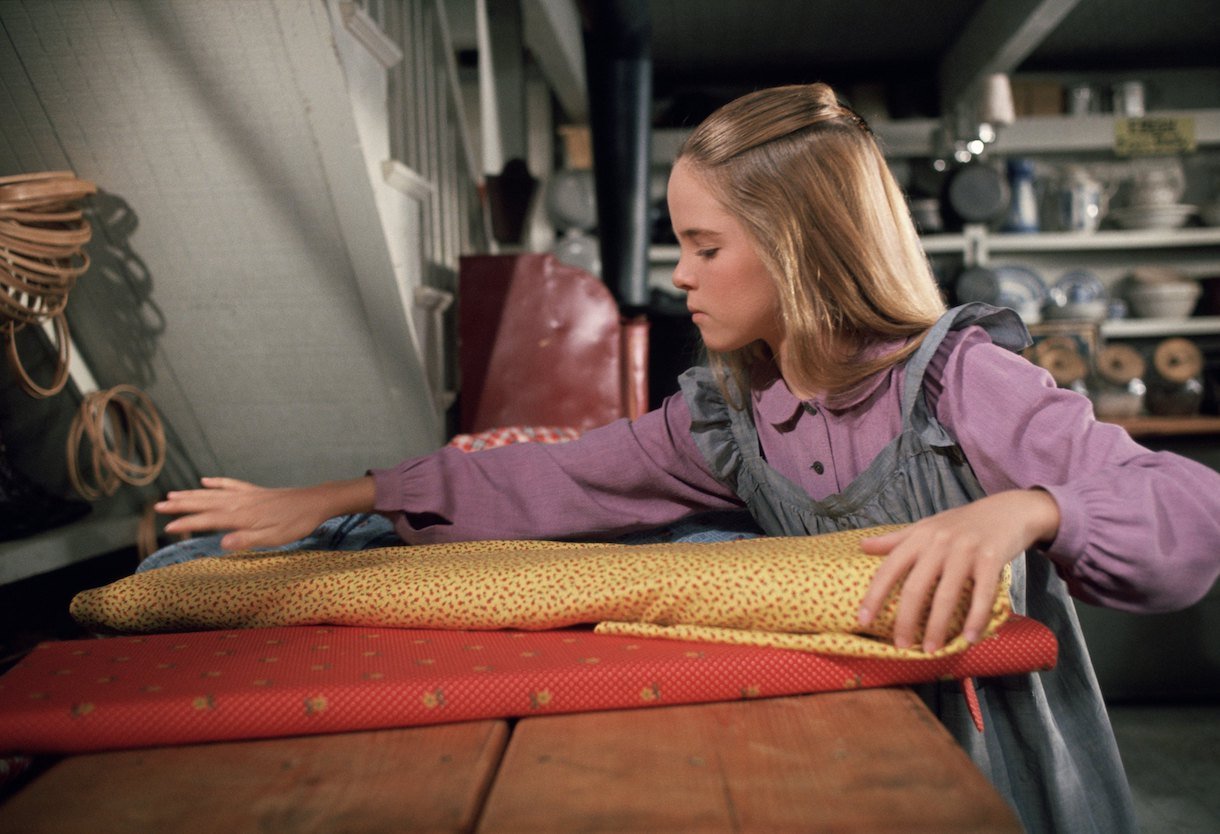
x=1161 y=186
x=1083 y=201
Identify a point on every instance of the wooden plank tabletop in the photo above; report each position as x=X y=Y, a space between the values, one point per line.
x=871 y=760
x=865 y=761
x=419 y=779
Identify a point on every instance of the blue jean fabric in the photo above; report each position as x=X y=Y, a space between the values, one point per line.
x=369 y=530
x=345 y=532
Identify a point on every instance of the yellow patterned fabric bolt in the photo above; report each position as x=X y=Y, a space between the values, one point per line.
x=799 y=592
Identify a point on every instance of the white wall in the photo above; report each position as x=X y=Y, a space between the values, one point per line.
x=236 y=229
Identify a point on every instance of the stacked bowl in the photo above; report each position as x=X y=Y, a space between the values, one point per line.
x=1162 y=294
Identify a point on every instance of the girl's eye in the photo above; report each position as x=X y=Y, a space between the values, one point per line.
x=706 y=254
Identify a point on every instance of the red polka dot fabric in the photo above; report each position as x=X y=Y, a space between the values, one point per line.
x=151 y=690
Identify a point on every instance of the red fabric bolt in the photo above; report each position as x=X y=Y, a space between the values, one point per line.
x=126 y=692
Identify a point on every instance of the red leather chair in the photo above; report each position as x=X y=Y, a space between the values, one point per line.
x=541 y=343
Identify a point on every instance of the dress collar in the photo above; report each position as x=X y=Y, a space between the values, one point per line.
x=776 y=404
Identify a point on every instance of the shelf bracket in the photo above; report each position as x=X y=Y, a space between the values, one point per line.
x=1000 y=35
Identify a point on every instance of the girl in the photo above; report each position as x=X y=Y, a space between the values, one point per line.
x=840 y=394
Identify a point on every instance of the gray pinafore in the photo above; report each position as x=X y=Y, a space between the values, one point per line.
x=1047 y=746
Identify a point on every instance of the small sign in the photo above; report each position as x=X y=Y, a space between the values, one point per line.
x=1154 y=135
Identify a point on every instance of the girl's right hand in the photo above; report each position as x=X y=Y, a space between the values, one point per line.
x=959 y=551
x=259 y=516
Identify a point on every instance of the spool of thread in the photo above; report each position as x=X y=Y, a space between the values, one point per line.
x=996 y=106
x=1129 y=98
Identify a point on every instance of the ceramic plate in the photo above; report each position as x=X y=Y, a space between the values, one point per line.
x=977 y=284
x=1079 y=286
x=1020 y=287
x=1153 y=217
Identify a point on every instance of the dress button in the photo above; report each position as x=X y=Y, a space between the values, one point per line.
x=811 y=409
x=818 y=467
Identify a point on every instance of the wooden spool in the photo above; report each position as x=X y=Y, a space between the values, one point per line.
x=1119 y=364
x=1065 y=364
x=1177 y=360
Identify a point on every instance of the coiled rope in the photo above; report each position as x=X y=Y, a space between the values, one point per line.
x=116 y=436
x=42 y=235
x=126 y=442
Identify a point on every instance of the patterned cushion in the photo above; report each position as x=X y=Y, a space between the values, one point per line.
x=507 y=435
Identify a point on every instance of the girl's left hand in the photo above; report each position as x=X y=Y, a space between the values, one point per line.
x=937 y=557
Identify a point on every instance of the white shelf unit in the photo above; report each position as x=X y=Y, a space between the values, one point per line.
x=1106 y=240
x=1038 y=134
x=1028 y=135
x=1109 y=254
x=1155 y=328
x=1120 y=250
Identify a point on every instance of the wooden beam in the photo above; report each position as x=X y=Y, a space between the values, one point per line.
x=501 y=82
x=1000 y=35
x=552 y=32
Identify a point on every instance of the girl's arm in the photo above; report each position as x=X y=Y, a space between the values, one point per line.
x=618 y=478
x=1134 y=530
x=622 y=477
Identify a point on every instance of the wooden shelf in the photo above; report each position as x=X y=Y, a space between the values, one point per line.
x=1028 y=135
x=1107 y=239
x=1134 y=328
x=1111 y=240
x=1169 y=426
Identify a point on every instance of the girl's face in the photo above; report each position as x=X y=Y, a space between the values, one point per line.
x=732 y=299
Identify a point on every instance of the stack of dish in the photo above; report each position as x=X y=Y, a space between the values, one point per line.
x=1168 y=216
x=1078 y=295
x=1162 y=294
x=1017 y=287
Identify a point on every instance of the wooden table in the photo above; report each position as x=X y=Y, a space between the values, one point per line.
x=864 y=761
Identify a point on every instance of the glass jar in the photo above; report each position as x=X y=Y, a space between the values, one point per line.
x=1176 y=386
x=1118 y=388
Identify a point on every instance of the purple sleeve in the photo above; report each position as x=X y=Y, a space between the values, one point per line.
x=625 y=476
x=1139 y=530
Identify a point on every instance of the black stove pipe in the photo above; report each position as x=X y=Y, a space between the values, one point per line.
x=618 y=63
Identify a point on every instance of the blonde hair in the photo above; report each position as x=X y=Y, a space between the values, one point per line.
x=805 y=177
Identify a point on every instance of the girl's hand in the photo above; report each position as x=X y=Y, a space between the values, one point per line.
x=936 y=558
x=262 y=517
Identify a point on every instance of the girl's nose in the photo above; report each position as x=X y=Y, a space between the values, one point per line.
x=681 y=277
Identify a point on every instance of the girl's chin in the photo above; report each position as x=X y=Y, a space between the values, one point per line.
x=715 y=339
x=720 y=345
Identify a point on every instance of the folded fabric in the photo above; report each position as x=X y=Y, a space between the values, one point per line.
x=136 y=691
x=787 y=592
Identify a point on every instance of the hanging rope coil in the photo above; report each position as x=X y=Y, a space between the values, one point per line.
x=126 y=442
x=116 y=437
x=42 y=235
